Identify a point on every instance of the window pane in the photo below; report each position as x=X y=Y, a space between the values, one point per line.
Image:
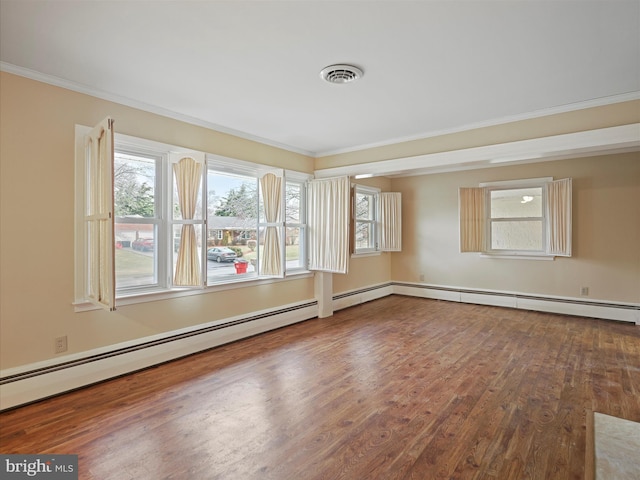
x=232 y=209
x=516 y=235
x=133 y=186
x=364 y=208
x=136 y=231
x=364 y=235
x=293 y=202
x=292 y=247
x=135 y=259
x=516 y=203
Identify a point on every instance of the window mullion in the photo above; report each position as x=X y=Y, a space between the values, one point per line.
x=283 y=224
x=166 y=217
x=516 y=219
x=204 y=218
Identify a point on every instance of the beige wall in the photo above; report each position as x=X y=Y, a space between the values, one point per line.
x=37 y=231
x=606 y=232
x=368 y=270
x=37 y=222
x=623 y=113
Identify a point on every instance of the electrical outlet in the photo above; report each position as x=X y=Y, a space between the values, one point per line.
x=61 y=344
x=584 y=291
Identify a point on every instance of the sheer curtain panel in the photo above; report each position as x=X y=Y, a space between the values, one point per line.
x=328 y=207
x=99 y=216
x=472 y=219
x=390 y=221
x=271 y=262
x=559 y=217
x=188 y=175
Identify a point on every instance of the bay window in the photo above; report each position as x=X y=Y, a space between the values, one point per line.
x=171 y=207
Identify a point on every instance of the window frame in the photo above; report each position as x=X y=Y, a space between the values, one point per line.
x=160 y=265
x=163 y=193
x=373 y=222
x=516 y=185
x=300 y=180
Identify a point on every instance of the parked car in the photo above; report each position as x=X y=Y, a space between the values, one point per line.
x=221 y=254
x=143 y=244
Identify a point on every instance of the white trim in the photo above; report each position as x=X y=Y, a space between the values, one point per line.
x=518 y=256
x=572 y=107
x=154 y=296
x=603 y=141
x=362 y=295
x=620 y=311
x=43 y=379
x=367 y=253
x=51 y=377
x=520 y=183
x=129 y=102
x=87 y=90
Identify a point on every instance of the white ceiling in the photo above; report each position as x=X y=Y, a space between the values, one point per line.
x=252 y=68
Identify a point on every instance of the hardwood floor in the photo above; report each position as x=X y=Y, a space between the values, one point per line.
x=398 y=388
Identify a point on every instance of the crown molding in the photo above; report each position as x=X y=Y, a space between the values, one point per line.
x=596 y=102
x=87 y=90
x=603 y=141
x=129 y=102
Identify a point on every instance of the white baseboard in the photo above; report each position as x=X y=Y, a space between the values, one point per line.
x=356 y=297
x=38 y=381
x=34 y=382
x=623 y=312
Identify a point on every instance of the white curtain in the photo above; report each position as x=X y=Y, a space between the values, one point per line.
x=328 y=207
x=472 y=209
x=559 y=217
x=271 y=261
x=390 y=221
x=99 y=216
x=188 y=174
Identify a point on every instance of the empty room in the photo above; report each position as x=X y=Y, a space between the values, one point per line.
x=319 y=239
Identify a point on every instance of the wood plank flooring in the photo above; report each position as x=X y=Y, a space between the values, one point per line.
x=397 y=388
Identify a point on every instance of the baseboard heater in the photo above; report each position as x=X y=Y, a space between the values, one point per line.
x=625 y=312
x=39 y=381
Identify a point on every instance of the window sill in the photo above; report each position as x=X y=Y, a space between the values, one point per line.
x=372 y=253
x=519 y=256
x=156 y=295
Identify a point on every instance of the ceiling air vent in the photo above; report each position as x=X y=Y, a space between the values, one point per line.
x=340 y=73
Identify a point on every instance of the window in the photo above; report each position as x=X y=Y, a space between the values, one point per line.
x=516 y=220
x=365 y=216
x=95 y=281
x=522 y=217
x=377 y=222
x=172 y=207
x=136 y=177
x=232 y=213
x=295 y=224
